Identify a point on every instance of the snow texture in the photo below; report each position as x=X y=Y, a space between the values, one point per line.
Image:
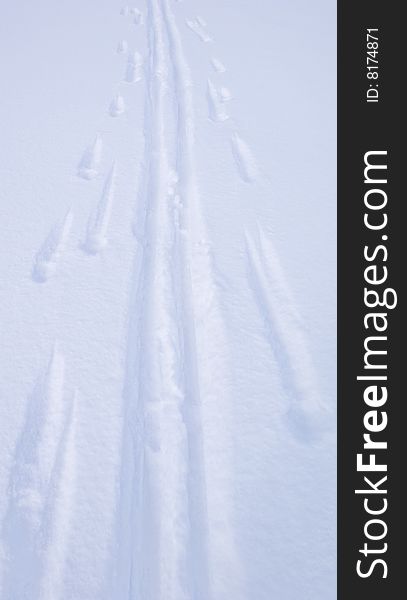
x=167 y=426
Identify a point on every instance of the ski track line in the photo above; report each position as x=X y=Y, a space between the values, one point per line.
x=186 y=188
x=307 y=412
x=152 y=555
x=25 y=526
x=163 y=554
x=204 y=555
x=46 y=260
x=98 y=224
x=89 y=164
x=163 y=511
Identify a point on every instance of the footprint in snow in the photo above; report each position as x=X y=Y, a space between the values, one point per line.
x=218 y=66
x=88 y=167
x=216 y=104
x=134 y=68
x=198 y=26
x=96 y=238
x=45 y=263
x=244 y=159
x=117 y=106
x=138 y=16
x=122 y=47
x=225 y=94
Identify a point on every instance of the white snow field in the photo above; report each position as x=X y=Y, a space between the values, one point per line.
x=167 y=300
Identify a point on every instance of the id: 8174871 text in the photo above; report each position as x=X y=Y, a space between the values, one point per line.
x=372 y=65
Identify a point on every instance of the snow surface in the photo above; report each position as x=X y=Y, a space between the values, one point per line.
x=167 y=290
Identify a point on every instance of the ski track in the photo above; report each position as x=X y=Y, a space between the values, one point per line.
x=98 y=224
x=244 y=159
x=197 y=547
x=307 y=413
x=198 y=26
x=153 y=537
x=32 y=493
x=46 y=261
x=212 y=543
x=164 y=553
x=89 y=165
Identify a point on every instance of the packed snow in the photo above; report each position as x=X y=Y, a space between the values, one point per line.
x=167 y=290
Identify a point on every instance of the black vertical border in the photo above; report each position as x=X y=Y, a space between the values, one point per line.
x=363 y=127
